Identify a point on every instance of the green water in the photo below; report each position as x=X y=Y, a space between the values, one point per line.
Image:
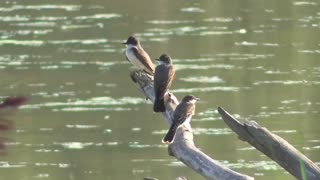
x=86 y=120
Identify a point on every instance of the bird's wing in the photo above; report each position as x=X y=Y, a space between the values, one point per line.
x=163 y=78
x=171 y=75
x=183 y=112
x=144 y=58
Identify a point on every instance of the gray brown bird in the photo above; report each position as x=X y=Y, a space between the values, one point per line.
x=163 y=78
x=183 y=113
x=138 y=56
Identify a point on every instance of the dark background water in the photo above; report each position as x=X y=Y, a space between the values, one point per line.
x=86 y=120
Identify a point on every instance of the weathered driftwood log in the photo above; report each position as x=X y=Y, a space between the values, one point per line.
x=183 y=147
x=274 y=147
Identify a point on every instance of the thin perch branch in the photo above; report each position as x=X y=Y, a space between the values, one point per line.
x=274 y=147
x=183 y=147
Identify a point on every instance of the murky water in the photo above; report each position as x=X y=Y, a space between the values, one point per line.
x=86 y=119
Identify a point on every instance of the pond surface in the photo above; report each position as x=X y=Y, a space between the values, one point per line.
x=259 y=60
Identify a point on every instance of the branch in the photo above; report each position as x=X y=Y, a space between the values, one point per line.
x=183 y=147
x=274 y=147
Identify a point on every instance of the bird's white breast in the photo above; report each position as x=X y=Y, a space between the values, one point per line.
x=132 y=58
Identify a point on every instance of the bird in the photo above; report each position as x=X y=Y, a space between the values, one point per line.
x=136 y=55
x=182 y=114
x=163 y=78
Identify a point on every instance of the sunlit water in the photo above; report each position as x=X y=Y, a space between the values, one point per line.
x=87 y=120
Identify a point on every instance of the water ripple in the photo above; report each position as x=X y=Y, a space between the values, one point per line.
x=276 y=72
x=284 y=131
x=203 y=79
x=60 y=165
x=191 y=30
x=99 y=16
x=206 y=66
x=75 y=145
x=316 y=51
x=287 y=82
x=138 y=145
x=304 y=3
x=79 y=41
x=206 y=33
x=208 y=115
x=5 y=164
x=311 y=148
x=54 y=42
x=14 y=18
x=237 y=56
x=206 y=89
x=22 y=42
x=170 y=21
x=78 y=109
x=195 y=60
x=92 y=104
x=35 y=24
x=223 y=19
x=212 y=131
x=289 y=101
x=51 y=18
x=173 y=31
x=261 y=165
x=41 y=7
x=193 y=10
x=246 y=43
x=70 y=27
x=81 y=126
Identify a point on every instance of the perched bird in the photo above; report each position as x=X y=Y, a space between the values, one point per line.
x=137 y=56
x=163 y=78
x=183 y=113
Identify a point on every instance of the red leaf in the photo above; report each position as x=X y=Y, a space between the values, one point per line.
x=13 y=101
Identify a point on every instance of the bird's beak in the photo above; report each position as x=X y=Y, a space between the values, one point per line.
x=198 y=99
x=124 y=43
x=157 y=59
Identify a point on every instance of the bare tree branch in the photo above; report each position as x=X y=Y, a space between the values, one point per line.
x=183 y=147
x=274 y=147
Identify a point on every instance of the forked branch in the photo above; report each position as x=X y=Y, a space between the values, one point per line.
x=183 y=147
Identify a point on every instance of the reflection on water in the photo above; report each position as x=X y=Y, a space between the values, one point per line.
x=87 y=120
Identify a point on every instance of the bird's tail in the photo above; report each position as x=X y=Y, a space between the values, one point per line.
x=170 y=135
x=158 y=105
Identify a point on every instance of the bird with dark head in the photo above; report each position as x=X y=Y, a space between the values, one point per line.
x=132 y=40
x=163 y=78
x=182 y=114
x=136 y=55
